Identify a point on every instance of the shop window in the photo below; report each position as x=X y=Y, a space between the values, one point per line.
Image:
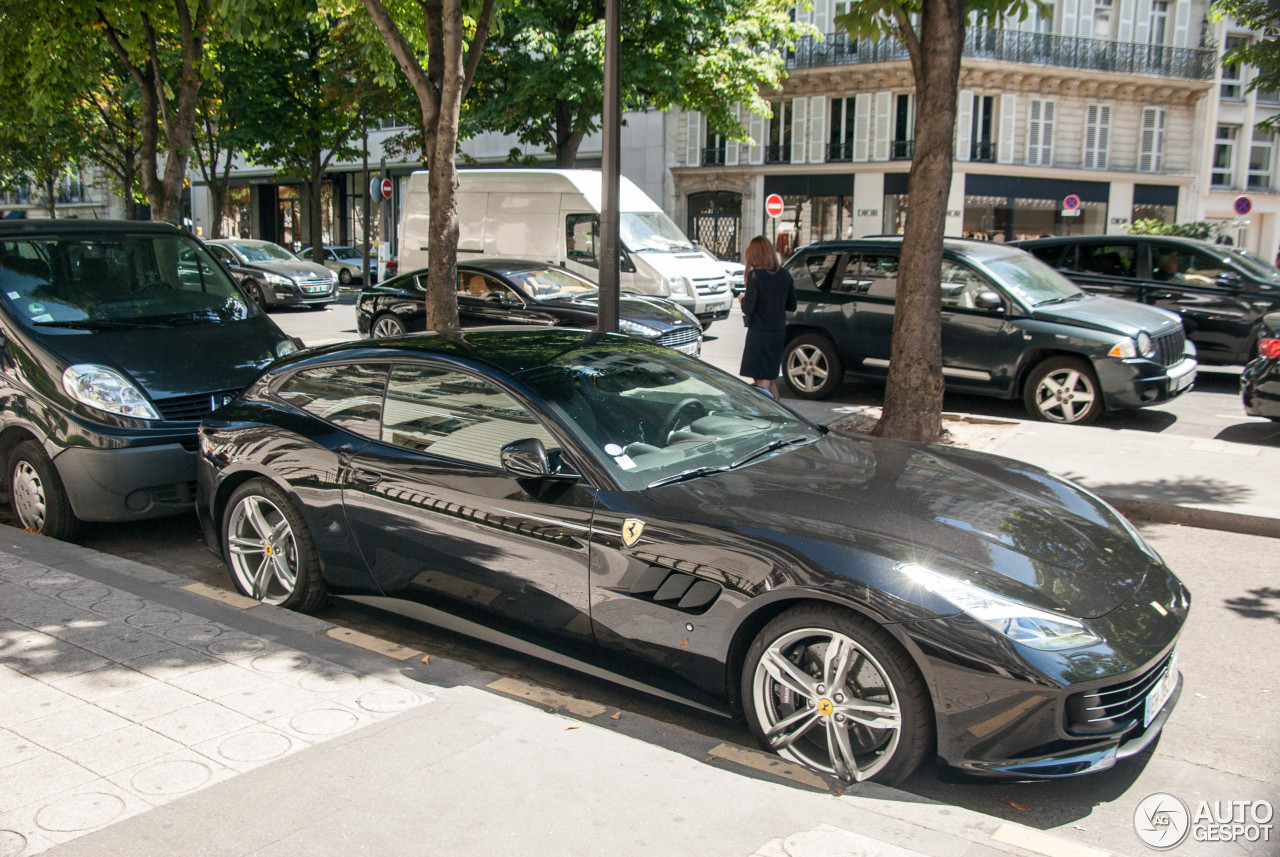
x=1163 y=213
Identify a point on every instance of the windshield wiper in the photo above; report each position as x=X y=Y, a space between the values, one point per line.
x=692 y=473
x=95 y=324
x=770 y=447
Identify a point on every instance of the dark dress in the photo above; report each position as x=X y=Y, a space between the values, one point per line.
x=769 y=295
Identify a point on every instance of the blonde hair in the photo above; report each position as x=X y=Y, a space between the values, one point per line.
x=759 y=254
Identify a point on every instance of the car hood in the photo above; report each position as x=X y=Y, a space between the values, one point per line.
x=1111 y=314
x=654 y=312
x=299 y=270
x=1002 y=524
x=176 y=361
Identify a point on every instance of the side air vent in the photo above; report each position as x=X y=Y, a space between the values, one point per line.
x=670 y=588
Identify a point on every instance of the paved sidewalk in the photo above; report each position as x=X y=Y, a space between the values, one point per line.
x=141 y=714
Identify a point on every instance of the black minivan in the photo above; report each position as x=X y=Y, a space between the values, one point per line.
x=117 y=337
x=1220 y=292
x=1011 y=327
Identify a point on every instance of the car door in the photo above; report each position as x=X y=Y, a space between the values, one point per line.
x=440 y=523
x=980 y=346
x=485 y=300
x=1215 y=310
x=872 y=280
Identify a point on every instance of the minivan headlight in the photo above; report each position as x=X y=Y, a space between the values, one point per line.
x=1022 y=623
x=107 y=390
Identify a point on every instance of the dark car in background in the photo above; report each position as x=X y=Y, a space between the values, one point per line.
x=1220 y=292
x=117 y=338
x=617 y=507
x=515 y=291
x=1012 y=327
x=1260 y=380
x=273 y=276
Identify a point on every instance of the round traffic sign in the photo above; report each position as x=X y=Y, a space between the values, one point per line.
x=1071 y=203
x=1243 y=205
x=773 y=205
x=386 y=188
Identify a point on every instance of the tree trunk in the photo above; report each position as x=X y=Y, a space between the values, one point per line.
x=315 y=209
x=913 y=394
x=218 y=200
x=567 y=140
x=50 y=190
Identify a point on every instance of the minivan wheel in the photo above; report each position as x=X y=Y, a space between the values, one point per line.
x=37 y=495
x=1063 y=390
x=269 y=549
x=387 y=325
x=811 y=366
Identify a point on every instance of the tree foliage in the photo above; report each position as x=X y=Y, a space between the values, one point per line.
x=1201 y=229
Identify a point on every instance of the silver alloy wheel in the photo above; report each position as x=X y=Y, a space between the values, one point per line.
x=807 y=368
x=264 y=556
x=28 y=496
x=1065 y=395
x=827 y=703
x=388 y=325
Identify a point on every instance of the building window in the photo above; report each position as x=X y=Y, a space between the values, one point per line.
x=778 y=148
x=1159 y=22
x=840 y=141
x=902 y=128
x=1102 y=10
x=982 y=147
x=1040 y=121
x=1097 y=136
x=1267 y=96
x=1151 y=140
x=1261 y=158
x=1232 y=88
x=713 y=151
x=1224 y=156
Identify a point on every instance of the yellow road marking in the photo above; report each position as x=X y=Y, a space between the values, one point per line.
x=546 y=696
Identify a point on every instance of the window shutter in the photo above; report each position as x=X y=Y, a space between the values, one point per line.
x=1151 y=142
x=1181 y=23
x=1085 y=27
x=692 y=143
x=1142 y=29
x=964 y=125
x=1068 y=26
x=1104 y=135
x=862 y=126
x=732 y=147
x=1125 y=9
x=1040 y=132
x=799 y=129
x=1048 y=110
x=758 y=128
x=817 y=129
x=1008 y=116
x=821 y=20
x=880 y=139
x=1033 y=131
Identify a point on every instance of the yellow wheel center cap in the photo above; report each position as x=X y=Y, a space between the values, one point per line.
x=825 y=707
x=267 y=550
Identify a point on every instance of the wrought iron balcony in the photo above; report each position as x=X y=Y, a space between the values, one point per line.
x=777 y=154
x=981 y=43
x=983 y=151
x=839 y=151
x=713 y=156
x=901 y=150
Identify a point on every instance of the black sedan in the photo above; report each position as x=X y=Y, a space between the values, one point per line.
x=515 y=291
x=1260 y=380
x=630 y=511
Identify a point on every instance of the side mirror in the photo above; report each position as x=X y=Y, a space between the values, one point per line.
x=528 y=459
x=989 y=301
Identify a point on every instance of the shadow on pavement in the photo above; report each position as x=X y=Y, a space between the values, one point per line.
x=1176 y=492
x=1262 y=603
x=1257 y=433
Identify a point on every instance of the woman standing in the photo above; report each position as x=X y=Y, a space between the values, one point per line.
x=769 y=295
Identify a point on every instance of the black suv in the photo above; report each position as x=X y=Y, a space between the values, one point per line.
x=117 y=337
x=1220 y=292
x=1011 y=327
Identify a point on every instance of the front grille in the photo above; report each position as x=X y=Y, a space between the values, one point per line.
x=710 y=287
x=1169 y=347
x=680 y=336
x=315 y=281
x=1115 y=707
x=193 y=407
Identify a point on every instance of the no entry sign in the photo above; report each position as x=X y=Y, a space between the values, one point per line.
x=773 y=205
x=380 y=188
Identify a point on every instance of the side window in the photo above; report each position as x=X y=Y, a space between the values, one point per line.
x=821 y=268
x=347 y=395
x=580 y=233
x=879 y=275
x=961 y=286
x=480 y=287
x=455 y=415
x=1054 y=255
x=1175 y=263
x=1108 y=260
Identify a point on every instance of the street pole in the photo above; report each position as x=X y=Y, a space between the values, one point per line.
x=384 y=205
x=364 y=205
x=610 y=124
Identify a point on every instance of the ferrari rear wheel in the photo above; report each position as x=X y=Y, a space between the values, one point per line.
x=269 y=549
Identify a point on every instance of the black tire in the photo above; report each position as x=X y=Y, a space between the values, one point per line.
x=1063 y=390
x=811 y=366
x=37 y=495
x=885 y=676
x=344 y=276
x=269 y=550
x=386 y=325
x=254 y=289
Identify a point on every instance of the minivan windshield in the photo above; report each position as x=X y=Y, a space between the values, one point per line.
x=651 y=230
x=1030 y=280
x=106 y=279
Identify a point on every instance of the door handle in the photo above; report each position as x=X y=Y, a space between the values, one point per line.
x=366 y=477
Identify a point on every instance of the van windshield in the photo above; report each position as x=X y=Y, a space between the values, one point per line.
x=105 y=279
x=651 y=230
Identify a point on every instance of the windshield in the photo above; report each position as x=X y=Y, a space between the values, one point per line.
x=549 y=284
x=651 y=230
x=1030 y=280
x=1251 y=263
x=109 y=279
x=263 y=251
x=652 y=415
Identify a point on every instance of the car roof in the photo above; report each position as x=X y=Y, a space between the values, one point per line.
x=76 y=225
x=504 y=264
x=968 y=247
x=1111 y=239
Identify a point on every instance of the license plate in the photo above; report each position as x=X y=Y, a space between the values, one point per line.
x=1185 y=381
x=691 y=348
x=312 y=290
x=1160 y=694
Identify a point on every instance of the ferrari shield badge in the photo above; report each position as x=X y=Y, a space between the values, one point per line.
x=631 y=530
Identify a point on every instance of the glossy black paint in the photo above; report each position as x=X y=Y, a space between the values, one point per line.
x=544 y=560
x=1260 y=380
x=1222 y=313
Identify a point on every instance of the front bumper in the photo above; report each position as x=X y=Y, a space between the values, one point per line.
x=713 y=306
x=302 y=295
x=1139 y=383
x=130 y=483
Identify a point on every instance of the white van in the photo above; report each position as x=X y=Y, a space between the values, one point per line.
x=554 y=216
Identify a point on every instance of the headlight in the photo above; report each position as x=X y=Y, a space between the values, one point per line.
x=107 y=390
x=1146 y=347
x=680 y=286
x=1022 y=623
x=286 y=346
x=635 y=328
x=277 y=280
x=1124 y=348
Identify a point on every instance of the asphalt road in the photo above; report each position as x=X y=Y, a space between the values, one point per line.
x=1218 y=745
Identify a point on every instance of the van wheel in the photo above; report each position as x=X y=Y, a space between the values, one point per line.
x=811 y=366
x=387 y=325
x=37 y=495
x=1063 y=390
